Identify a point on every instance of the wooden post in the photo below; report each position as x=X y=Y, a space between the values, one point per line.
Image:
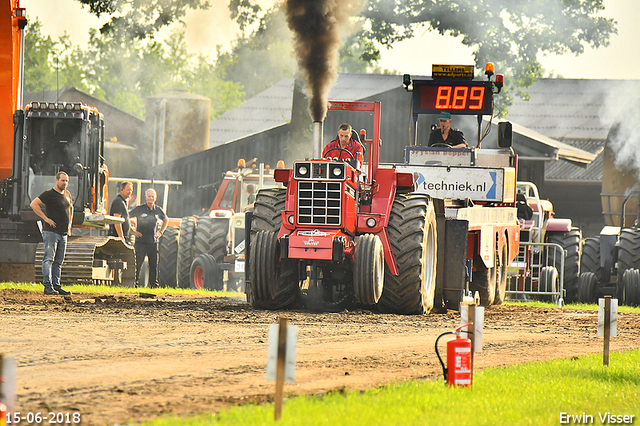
x=607 y=329
x=282 y=346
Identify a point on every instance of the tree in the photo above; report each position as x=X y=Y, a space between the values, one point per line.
x=125 y=72
x=511 y=33
x=50 y=65
x=141 y=18
x=264 y=56
x=261 y=58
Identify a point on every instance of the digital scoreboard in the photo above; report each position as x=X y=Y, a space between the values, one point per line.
x=455 y=96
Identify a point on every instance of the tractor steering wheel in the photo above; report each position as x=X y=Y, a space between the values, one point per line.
x=340 y=154
x=440 y=145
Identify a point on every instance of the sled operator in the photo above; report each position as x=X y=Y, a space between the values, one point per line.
x=445 y=134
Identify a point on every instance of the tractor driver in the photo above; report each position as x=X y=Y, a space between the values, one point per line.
x=346 y=141
x=445 y=135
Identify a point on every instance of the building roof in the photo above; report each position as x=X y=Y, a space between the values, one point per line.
x=557 y=109
x=272 y=107
x=266 y=110
x=572 y=108
x=577 y=113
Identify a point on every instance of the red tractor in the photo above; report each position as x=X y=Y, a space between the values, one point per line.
x=339 y=234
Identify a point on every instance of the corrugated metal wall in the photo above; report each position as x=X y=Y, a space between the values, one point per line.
x=202 y=173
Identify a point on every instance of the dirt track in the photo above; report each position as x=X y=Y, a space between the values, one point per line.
x=125 y=357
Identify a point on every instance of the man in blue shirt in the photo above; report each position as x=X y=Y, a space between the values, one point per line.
x=148 y=216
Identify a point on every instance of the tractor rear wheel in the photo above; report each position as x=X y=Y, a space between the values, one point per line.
x=413 y=238
x=212 y=237
x=631 y=287
x=587 y=285
x=267 y=210
x=185 y=250
x=205 y=273
x=590 y=259
x=570 y=242
x=168 y=257
x=368 y=269
x=274 y=282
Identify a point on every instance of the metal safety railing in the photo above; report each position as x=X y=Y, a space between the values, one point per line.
x=537 y=272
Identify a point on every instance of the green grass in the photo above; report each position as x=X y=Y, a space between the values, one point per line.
x=77 y=288
x=526 y=394
x=578 y=306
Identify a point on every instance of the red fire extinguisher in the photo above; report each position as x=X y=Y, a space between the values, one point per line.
x=3 y=414
x=458 y=371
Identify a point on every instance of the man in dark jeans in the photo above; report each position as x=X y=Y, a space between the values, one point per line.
x=56 y=227
x=147 y=234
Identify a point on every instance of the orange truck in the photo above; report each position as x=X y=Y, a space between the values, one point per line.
x=36 y=142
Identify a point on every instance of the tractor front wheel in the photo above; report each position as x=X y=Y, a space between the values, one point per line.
x=185 y=250
x=587 y=285
x=205 y=273
x=168 y=257
x=368 y=271
x=628 y=254
x=274 y=282
x=631 y=287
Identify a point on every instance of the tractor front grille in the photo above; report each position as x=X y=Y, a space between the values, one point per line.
x=319 y=203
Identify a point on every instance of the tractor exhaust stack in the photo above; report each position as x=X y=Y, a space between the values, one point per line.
x=317 y=127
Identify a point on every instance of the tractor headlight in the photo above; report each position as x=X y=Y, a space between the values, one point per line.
x=303 y=171
x=371 y=222
x=337 y=171
x=290 y=219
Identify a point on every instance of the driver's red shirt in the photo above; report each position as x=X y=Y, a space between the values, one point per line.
x=354 y=147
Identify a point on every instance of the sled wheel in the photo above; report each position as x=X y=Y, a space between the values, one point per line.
x=548 y=283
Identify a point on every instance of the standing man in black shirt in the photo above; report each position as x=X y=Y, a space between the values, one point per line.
x=56 y=227
x=119 y=208
x=147 y=234
x=445 y=134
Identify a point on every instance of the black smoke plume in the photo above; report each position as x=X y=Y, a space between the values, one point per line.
x=316 y=27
